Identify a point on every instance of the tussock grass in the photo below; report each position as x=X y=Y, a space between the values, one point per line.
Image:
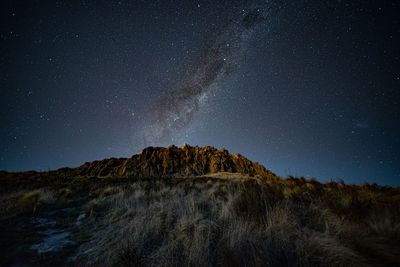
x=217 y=221
x=242 y=222
x=29 y=202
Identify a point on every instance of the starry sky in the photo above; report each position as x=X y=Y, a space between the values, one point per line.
x=306 y=88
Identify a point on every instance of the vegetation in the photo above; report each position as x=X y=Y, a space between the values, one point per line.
x=203 y=221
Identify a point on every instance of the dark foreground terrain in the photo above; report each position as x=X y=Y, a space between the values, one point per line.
x=192 y=206
x=223 y=220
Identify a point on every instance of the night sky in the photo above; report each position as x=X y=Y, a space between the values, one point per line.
x=306 y=88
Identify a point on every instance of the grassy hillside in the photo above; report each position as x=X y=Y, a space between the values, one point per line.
x=203 y=221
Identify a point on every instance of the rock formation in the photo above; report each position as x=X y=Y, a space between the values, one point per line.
x=173 y=161
x=168 y=162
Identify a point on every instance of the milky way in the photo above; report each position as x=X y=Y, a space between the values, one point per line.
x=306 y=88
x=220 y=56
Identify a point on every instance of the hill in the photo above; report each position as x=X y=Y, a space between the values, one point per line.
x=192 y=206
x=178 y=162
x=173 y=162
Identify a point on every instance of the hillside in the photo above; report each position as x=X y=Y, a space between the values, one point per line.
x=192 y=206
x=178 y=162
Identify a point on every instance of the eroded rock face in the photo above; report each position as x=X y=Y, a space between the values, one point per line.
x=173 y=161
x=156 y=162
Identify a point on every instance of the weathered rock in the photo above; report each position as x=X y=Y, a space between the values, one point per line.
x=173 y=161
x=158 y=162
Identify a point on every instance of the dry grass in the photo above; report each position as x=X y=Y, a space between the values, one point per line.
x=29 y=202
x=241 y=222
x=216 y=221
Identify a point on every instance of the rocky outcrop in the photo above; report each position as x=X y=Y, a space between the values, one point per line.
x=173 y=161
x=161 y=162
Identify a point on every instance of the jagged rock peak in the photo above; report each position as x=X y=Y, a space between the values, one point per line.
x=173 y=161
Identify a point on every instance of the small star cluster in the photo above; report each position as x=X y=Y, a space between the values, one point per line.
x=306 y=88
